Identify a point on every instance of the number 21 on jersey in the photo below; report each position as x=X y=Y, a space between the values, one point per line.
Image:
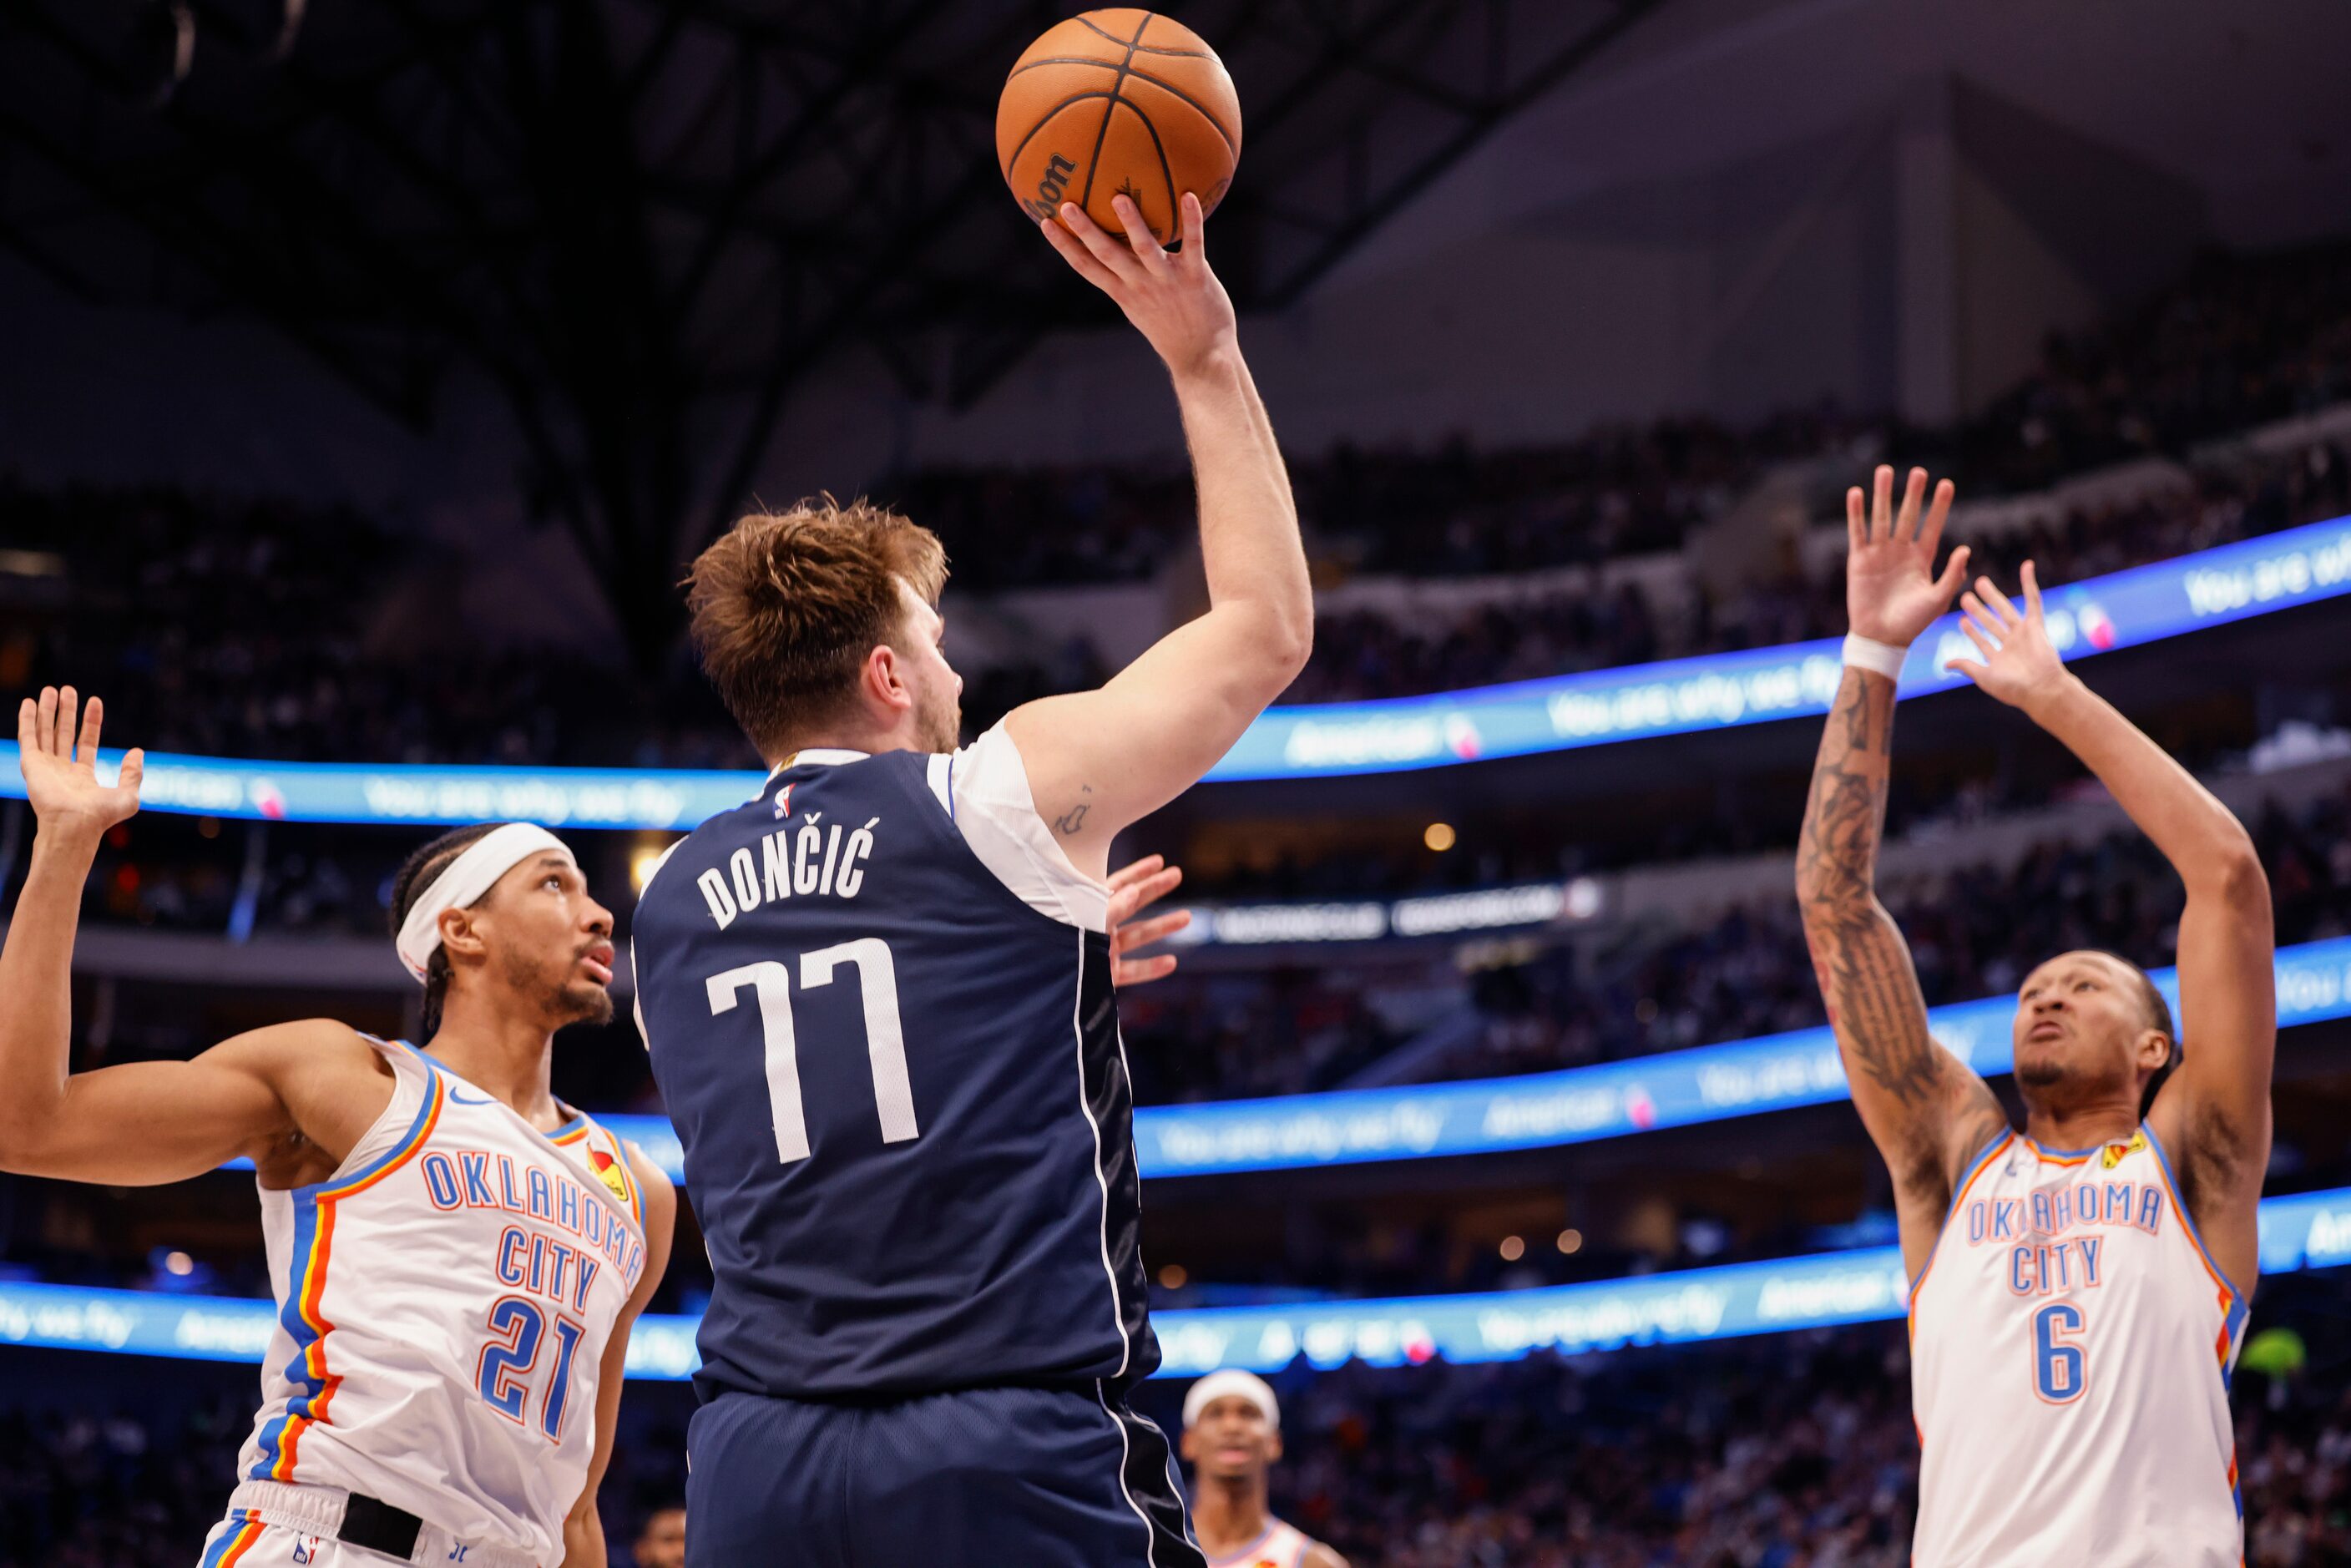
x=502 y=1373
x=885 y=1040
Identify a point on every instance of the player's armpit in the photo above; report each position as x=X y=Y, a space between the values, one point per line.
x=146 y=1123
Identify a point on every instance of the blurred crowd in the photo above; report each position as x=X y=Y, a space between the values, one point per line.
x=1787 y=1452
x=2239 y=342
x=244 y=627
x=1790 y=1452
x=137 y=1485
x=1975 y=930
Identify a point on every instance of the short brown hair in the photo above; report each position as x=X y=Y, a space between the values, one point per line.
x=785 y=605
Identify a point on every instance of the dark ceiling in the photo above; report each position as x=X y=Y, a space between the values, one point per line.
x=645 y=223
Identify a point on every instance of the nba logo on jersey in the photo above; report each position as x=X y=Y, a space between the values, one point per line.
x=783 y=802
x=305 y=1547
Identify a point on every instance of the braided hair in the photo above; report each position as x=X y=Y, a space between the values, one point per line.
x=415 y=874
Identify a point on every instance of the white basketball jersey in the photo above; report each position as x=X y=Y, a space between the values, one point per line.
x=2072 y=1342
x=1280 y=1547
x=443 y=1302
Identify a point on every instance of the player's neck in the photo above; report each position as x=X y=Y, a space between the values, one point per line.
x=846 y=737
x=500 y=1052
x=1229 y=1513
x=2080 y=1127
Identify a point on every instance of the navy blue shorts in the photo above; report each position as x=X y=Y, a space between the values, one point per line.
x=989 y=1478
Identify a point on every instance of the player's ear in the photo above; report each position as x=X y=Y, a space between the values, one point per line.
x=1273 y=1446
x=2154 y=1050
x=882 y=680
x=461 y=934
x=1188 y=1446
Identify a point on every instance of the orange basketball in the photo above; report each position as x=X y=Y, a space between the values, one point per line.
x=1117 y=102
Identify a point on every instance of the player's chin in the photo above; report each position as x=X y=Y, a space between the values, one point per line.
x=585 y=1001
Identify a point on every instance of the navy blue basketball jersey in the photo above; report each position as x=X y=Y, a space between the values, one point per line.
x=896 y=1068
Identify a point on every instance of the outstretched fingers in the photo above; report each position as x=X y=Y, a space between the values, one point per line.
x=69 y=704
x=1914 y=493
x=1856 y=518
x=2031 y=592
x=1135 y=871
x=1139 y=237
x=1937 y=513
x=1955 y=573
x=1081 y=260
x=1987 y=593
x=1118 y=259
x=1977 y=616
x=1158 y=928
x=1881 y=505
x=1986 y=643
x=29 y=726
x=1192 y=223
x=93 y=718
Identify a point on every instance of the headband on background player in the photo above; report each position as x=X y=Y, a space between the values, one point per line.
x=466 y=879
x=1231 y=1383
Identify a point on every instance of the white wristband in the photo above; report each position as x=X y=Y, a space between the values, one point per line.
x=1879 y=658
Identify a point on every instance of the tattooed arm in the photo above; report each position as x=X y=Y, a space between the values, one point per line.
x=1925 y=1109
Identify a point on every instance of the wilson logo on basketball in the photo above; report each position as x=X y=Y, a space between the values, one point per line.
x=1053 y=186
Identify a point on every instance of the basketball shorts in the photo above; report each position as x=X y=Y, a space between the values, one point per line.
x=975 y=1478
x=273 y=1525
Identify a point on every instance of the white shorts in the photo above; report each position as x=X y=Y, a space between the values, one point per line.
x=273 y=1524
x=242 y=1538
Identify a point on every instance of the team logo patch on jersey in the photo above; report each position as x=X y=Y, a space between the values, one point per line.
x=2118 y=1153
x=607 y=1171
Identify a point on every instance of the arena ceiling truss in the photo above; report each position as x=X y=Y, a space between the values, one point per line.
x=645 y=223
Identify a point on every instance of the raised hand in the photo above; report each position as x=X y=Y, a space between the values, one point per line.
x=61 y=776
x=1134 y=889
x=2019 y=664
x=1891 y=592
x=1171 y=297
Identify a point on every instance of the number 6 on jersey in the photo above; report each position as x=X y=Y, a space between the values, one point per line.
x=2059 y=1363
x=885 y=1040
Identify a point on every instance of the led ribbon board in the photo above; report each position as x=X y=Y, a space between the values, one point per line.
x=1578 y=1104
x=2310 y=1230
x=2144 y=604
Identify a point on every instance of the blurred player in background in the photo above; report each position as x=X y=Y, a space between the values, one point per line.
x=457 y=1256
x=1232 y=1434
x=2078 y=1292
x=878 y=1000
x=662 y=1542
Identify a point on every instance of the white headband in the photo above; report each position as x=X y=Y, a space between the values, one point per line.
x=1231 y=1383
x=467 y=878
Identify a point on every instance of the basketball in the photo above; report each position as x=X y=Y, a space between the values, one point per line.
x=1119 y=102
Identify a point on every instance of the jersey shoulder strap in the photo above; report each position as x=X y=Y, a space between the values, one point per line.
x=984 y=790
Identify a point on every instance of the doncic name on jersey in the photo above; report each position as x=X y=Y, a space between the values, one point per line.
x=809 y=858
